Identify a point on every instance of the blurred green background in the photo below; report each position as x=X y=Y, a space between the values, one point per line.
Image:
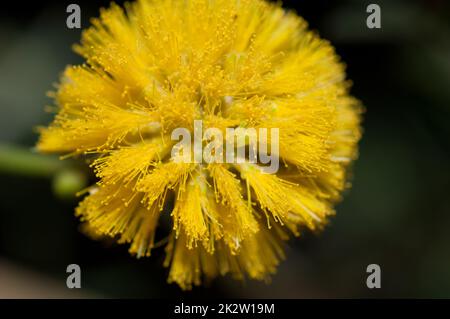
x=396 y=215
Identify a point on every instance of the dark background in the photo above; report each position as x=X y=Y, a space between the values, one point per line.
x=396 y=215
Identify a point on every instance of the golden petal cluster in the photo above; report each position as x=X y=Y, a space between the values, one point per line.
x=158 y=65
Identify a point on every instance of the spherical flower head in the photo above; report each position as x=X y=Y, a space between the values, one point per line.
x=160 y=65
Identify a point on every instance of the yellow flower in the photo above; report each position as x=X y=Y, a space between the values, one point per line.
x=161 y=65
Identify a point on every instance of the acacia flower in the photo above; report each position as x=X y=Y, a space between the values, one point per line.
x=159 y=65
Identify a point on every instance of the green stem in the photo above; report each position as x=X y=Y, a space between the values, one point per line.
x=67 y=179
x=22 y=161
